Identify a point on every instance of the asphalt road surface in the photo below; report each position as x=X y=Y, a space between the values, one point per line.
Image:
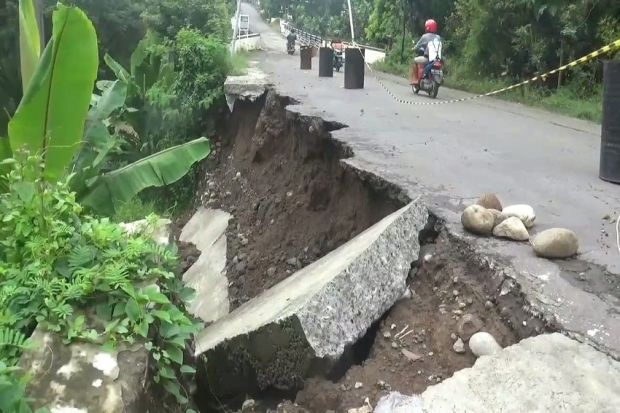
x=452 y=153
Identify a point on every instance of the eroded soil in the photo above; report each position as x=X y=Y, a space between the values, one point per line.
x=292 y=200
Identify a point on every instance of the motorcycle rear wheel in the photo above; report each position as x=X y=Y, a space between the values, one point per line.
x=416 y=89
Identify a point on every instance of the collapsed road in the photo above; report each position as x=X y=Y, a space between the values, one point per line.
x=349 y=274
x=450 y=154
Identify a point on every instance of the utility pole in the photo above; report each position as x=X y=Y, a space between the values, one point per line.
x=402 y=43
x=351 y=22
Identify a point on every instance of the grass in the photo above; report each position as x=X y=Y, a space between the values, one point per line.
x=564 y=100
x=136 y=209
x=240 y=62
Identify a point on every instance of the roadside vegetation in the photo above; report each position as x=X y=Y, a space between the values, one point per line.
x=488 y=44
x=106 y=111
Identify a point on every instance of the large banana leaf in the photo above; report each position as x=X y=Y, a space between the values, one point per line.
x=50 y=118
x=112 y=98
x=163 y=168
x=5 y=153
x=29 y=41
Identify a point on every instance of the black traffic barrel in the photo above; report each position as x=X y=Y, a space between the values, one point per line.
x=610 y=136
x=354 y=67
x=326 y=62
x=305 y=57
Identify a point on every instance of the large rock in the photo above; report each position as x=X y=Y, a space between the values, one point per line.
x=549 y=373
x=207 y=231
x=556 y=243
x=468 y=325
x=82 y=378
x=496 y=215
x=512 y=228
x=478 y=220
x=483 y=344
x=489 y=201
x=524 y=212
x=304 y=323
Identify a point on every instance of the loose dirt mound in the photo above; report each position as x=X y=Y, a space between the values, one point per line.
x=292 y=201
x=413 y=346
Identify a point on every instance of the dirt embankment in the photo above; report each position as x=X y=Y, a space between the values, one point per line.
x=280 y=176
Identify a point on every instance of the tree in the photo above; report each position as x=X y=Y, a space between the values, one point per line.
x=168 y=17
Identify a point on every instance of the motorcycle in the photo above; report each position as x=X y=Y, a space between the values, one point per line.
x=434 y=80
x=290 y=48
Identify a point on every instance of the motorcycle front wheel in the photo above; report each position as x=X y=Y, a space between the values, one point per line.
x=433 y=92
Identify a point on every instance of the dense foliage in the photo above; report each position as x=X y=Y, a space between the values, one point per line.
x=508 y=35
x=80 y=276
x=58 y=264
x=168 y=17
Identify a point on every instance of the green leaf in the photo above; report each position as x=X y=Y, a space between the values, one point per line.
x=175 y=354
x=25 y=190
x=162 y=315
x=29 y=41
x=185 y=369
x=153 y=294
x=132 y=310
x=5 y=152
x=187 y=294
x=163 y=168
x=118 y=70
x=142 y=328
x=167 y=372
x=174 y=388
x=112 y=98
x=50 y=117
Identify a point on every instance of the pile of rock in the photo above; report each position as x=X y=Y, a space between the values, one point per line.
x=487 y=217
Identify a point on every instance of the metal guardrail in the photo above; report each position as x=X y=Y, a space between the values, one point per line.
x=310 y=39
x=247 y=35
x=304 y=38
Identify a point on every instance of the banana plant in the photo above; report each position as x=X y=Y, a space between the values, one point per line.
x=50 y=116
x=53 y=118
x=29 y=41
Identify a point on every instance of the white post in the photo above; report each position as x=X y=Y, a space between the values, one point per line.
x=236 y=28
x=351 y=22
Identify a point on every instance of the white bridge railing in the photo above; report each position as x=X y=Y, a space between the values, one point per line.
x=373 y=54
x=304 y=38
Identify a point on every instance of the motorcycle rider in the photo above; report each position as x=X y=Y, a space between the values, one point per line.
x=291 y=38
x=429 y=37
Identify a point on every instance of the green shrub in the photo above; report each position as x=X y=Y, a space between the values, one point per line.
x=56 y=264
x=201 y=66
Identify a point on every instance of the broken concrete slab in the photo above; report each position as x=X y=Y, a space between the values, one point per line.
x=207 y=231
x=305 y=322
x=83 y=378
x=250 y=86
x=547 y=373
